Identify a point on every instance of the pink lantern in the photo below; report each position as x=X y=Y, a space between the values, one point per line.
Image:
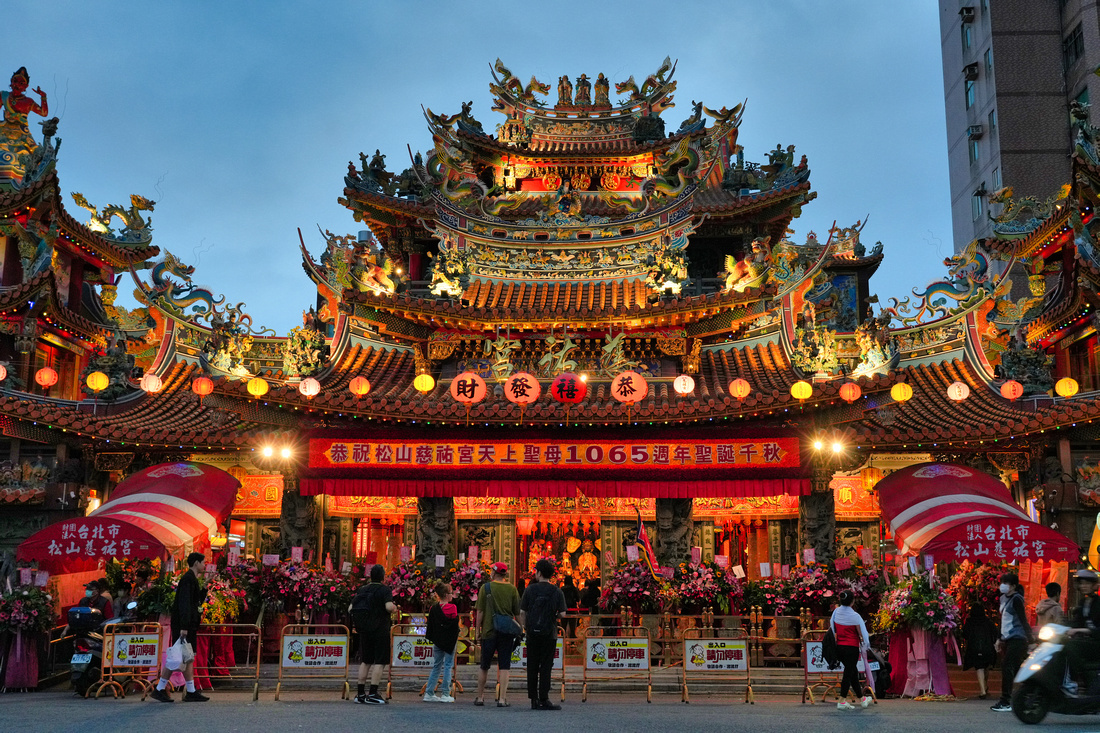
x=958 y=391
x=568 y=388
x=468 y=388
x=151 y=383
x=683 y=385
x=309 y=387
x=522 y=388
x=629 y=387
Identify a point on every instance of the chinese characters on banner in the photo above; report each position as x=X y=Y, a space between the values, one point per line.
x=725 y=655
x=314 y=652
x=542 y=453
x=610 y=653
x=411 y=652
x=816 y=664
x=136 y=650
x=519 y=655
x=984 y=541
x=93 y=538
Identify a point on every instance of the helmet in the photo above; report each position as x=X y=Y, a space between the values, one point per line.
x=1085 y=574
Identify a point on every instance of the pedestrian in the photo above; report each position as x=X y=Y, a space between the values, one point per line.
x=122 y=600
x=542 y=606
x=1014 y=638
x=443 y=634
x=590 y=599
x=851 y=637
x=371 y=609
x=572 y=603
x=1083 y=644
x=186 y=615
x=497 y=597
x=980 y=636
x=1049 y=610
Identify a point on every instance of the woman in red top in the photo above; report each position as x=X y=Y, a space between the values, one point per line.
x=851 y=635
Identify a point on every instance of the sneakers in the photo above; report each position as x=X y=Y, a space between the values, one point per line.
x=445 y=698
x=195 y=697
x=1001 y=707
x=867 y=700
x=361 y=699
x=845 y=706
x=429 y=697
x=160 y=695
x=375 y=699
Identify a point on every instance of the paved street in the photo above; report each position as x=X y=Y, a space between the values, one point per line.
x=320 y=712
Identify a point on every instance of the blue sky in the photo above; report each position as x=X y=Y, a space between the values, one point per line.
x=239 y=118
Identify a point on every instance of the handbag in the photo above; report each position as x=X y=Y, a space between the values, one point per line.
x=502 y=622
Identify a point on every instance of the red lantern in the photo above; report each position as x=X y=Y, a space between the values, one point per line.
x=468 y=388
x=629 y=387
x=359 y=386
x=1012 y=390
x=850 y=392
x=522 y=388
x=45 y=377
x=740 y=388
x=202 y=386
x=568 y=388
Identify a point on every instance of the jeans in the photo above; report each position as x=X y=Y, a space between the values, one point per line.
x=1015 y=654
x=849 y=680
x=540 y=666
x=442 y=664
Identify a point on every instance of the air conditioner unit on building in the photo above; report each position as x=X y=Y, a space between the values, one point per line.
x=967 y=13
x=974 y=132
x=970 y=71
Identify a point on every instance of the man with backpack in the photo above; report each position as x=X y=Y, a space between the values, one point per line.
x=371 y=610
x=540 y=609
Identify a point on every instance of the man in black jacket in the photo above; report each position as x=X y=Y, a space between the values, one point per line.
x=1084 y=642
x=186 y=615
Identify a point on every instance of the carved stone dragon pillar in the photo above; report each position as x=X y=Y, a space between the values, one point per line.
x=298 y=521
x=435 y=529
x=817 y=515
x=674 y=528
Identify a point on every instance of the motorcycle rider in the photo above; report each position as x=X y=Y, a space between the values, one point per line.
x=1083 y=643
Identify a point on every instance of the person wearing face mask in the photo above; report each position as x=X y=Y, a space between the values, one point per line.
x=94 y=598
x=1015 y=636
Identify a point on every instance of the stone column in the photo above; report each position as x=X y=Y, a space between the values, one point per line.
x=817 y=516
x=298 y=521
x=674 y=527
x=435 y=529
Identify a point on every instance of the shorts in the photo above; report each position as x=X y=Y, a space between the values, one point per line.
x=374 y=646
x=501 y=645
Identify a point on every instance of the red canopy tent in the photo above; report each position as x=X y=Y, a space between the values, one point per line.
x=168 y=509
x=954 y=512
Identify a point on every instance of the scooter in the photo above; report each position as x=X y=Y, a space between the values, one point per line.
x=86 y=624
x=1043 y=680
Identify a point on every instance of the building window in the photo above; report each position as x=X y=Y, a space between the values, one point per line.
x=1073 y=47
x=969 y=94
x=989 y=60
x=992 y=121
x=976 y=206
x=985 y=7
x=997 y=179
x=968 y=36
x=973 y=147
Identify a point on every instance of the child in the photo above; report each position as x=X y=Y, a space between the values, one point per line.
x=443 y=634
x=980 y=635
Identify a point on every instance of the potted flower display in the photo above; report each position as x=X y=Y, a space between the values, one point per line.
x=632 y=585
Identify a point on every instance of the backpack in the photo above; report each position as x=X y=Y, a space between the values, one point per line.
x=829 y=650
x=541 y=619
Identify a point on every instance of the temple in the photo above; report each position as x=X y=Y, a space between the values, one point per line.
x=543 y=330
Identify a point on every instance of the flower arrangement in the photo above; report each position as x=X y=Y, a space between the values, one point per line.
x=412 y=588
x=26 y=608
x=866 y=584
x=632 y=585
x=466 y=578
x=158 y=598
x=223 y=601
x=811 y=586
x=771 y=594
x=914 y=602
x=706 y=585
x=973 y=584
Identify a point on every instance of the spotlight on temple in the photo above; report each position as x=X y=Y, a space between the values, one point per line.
x=837 y=447
x=268 y=451
x=285 y=452
x=818 y=445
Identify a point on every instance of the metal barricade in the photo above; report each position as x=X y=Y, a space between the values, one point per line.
x=617 y=649
x=314 y=652
x=252 y=647
x=816 y=667
x=717 y=655
x=131 y=653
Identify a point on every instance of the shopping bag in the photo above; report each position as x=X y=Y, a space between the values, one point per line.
x=173 y=659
